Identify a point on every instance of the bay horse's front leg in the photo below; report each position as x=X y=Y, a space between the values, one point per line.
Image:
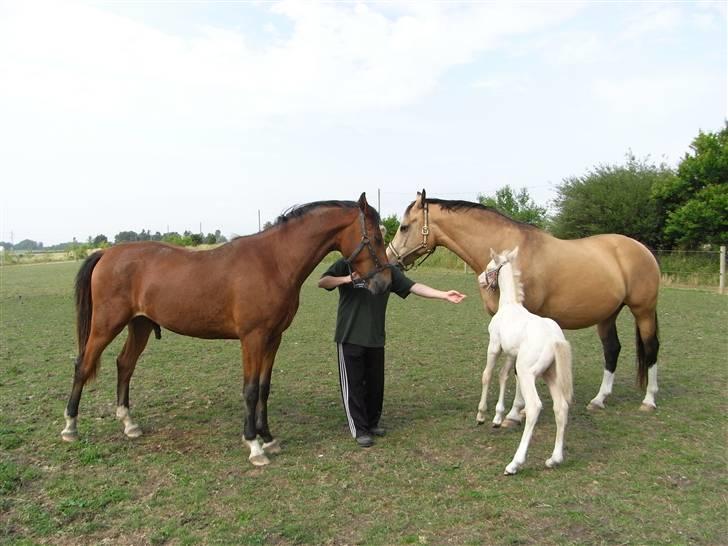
x=253 y=350
x=270 y=444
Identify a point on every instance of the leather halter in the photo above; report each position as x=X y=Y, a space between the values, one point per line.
x=423 y=245
x=365 y=243
x=491 y=277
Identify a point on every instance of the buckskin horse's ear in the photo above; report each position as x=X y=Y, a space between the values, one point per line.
x=421 y=196
x=363 y=201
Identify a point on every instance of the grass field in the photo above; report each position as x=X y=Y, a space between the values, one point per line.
x=436 y=478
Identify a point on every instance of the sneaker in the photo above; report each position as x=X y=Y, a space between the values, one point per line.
x=378 y=431
x=364 y=440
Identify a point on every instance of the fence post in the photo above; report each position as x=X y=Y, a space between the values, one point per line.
x=721 y=287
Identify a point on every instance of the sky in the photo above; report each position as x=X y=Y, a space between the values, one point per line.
x=171 y=116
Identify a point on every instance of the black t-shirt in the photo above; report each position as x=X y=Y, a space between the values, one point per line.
x=361 y=315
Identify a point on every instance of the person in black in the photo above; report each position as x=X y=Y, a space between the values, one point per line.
x=360 y=340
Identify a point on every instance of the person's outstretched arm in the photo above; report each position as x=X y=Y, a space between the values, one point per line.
x=422 y=290
x=328 y=282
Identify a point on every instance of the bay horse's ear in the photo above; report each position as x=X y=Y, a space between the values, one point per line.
x=363 y=201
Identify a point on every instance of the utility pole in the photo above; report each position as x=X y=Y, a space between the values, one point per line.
x=259 y=220
x=379 y=201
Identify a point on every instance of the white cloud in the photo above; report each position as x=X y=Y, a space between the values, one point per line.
x=69 y=57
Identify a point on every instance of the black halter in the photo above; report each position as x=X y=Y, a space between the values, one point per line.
x=491 y=277
x=365 y=242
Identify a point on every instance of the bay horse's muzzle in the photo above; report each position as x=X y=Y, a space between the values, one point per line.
x=379 y=283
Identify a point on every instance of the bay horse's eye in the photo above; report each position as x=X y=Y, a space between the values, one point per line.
x=403 y=228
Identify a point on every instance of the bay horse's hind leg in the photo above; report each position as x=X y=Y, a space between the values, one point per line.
x=139 y=330
x=86 y=366
x=607 y=330
x=270 y=445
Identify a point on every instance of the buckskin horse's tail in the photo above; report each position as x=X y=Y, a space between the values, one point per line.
x=84 y=304
x=646 y=353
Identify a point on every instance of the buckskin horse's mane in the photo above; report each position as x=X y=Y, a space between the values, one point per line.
x=456 y=205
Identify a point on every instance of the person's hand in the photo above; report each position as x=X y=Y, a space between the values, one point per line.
x=453 y=296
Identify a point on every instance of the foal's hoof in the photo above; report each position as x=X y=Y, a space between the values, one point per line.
x=272 y=447
x=510 y=470
x=595 y=406
x=552 y=463
x=69 y=435
x=259 y=460
x=647 y=407
x=133 y=431
x=480 y=418
x=511 y=423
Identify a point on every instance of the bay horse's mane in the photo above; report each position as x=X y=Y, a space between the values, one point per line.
x=455 y=205
x=296 y=211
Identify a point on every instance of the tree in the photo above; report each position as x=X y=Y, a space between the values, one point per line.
x=391 y=223
x=694 y=203
x=519 y=206
x=612 y=199
x=126 y=237
x=100 y=240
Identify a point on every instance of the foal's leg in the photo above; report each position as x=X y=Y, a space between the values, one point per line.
x=493 y=353
x=253 y=352
x=561 y=414
x=86 y=366
x=500 y=407
x=139 y=330
x=514 y=416
x=607 y=330
x=527 y=381
x=270 y=445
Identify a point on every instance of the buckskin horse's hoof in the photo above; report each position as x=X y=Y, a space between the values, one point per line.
x=259 y=460
x=69 y=435
x=272 y=447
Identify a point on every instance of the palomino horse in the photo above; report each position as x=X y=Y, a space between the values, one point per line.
x=577 y=283
x=537 y=345
x=247 y=289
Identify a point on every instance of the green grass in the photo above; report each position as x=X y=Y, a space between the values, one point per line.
x=436 y=478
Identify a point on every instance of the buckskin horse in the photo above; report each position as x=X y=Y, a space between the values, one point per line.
x=578 y=283
x=247 y=289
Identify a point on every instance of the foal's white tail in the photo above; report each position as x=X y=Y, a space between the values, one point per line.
x=564 y=381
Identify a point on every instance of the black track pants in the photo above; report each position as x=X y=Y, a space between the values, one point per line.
x=361 y=376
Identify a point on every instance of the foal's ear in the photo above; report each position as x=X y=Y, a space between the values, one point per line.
x=512 y=254
x=492 y=254
x=363 y=201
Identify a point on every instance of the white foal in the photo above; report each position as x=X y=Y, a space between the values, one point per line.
x=539 y=349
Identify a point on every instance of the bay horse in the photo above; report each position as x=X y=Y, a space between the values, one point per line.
x=578 y=283
x=247 y=289
x=538 y=347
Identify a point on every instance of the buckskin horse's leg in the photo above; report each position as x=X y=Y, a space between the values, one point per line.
x=139 y=330
x=253 y=352
x=607 y=330
x=270 y=445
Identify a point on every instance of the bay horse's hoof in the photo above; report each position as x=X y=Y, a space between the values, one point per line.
x=511 y=423
x=133 y=431
x=647 y=407
x=595 y=406
x=69 y=435
x=272 y=447
x=259 y=460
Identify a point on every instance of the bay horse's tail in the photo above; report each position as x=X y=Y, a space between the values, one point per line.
x=646 y=353
x=84 y=304
x=564 y=380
